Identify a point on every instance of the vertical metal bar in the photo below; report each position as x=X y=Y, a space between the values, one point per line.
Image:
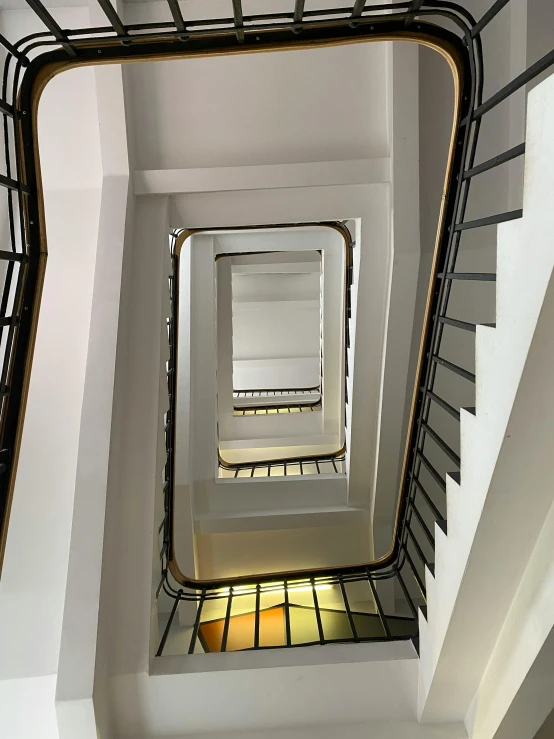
x=13 y=51
x=237 y=14
x=510 y=215
x=380 y=611
x=168 y=625
x=160 y=586
x=412 y=10
x=7 y=281
x=495 y=8
x=176 y=13
x=164 y=548
x=227 y=621
x=317 y=467
x=522 y=79
x=419 y=550
x=301 y=468
x=427 y=499
x=113 y=17
x=415 y=573
x=347 y=608
x=426 y=531
x=51 y=25
x=317 y=613
x=12 y=184
x=287 y=616
x=447 y=257
x=506 y=156
x=298 y=15
x=409 y=599
x=358 y=9
x=257 y=619
x=196 y=626
x=299 y=10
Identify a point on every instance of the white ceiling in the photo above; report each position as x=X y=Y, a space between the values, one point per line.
x=277 y=316
x=276 y=330
x=313 y=105
x=275 y=287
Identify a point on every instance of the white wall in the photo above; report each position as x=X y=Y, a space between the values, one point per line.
x=126 y=597
x=183 y=401
x=32 y=588
x=276 y=330
x=203 y=360
x=516 y=692
x=319 y=686
x=50 y=442
x=226 y=555
x=284 y=372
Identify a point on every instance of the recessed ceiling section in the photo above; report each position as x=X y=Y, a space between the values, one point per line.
x=276 y=319
x=285 y=108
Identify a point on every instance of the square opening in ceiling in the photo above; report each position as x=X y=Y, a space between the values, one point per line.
x=276 y=322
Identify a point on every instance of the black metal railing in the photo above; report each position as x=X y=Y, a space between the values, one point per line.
x=266 y=394
x=277 y=401
x=322 y=464
x=267 y=410
x=430 y=451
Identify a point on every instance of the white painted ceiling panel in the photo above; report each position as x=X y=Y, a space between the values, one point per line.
x=273 y=108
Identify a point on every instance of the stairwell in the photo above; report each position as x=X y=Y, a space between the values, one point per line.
x=493 y=577
x=503 y=498
x=482 y=665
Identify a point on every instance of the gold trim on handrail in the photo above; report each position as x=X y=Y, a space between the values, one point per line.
x=276 y=462
x=49 y=71
x=455 y=64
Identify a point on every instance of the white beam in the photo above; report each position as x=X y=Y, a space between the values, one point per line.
x=224 y=337
x=293 y=494
x=262 y=177
x=279 y=519
x=84 y=619
x=402 y=69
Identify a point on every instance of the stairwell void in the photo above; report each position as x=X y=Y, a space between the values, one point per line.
x=271 y=610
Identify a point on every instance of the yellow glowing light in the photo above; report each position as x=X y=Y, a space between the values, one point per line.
x=275 y=589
